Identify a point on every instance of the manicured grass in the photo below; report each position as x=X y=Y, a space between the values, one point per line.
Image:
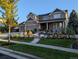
x=57 y=42
x=42 y=52
x=27 y=39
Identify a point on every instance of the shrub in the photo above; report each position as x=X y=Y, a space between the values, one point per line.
x=16 y=35
x=30 y=33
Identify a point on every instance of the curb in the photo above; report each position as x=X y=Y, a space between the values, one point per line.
x=29 y=56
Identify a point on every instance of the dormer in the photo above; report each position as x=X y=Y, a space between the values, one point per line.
x=57 y=13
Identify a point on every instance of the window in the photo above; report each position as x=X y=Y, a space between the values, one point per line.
x=51 y=17
x=57 y=16
x=45 y=17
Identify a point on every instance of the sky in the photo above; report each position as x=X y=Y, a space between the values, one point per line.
x=43 y=6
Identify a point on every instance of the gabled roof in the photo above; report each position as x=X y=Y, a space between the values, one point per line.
x=31 y=14
x=44 y=14
x=22 y=23
x=58 y=10
x=30 y=19
x=40 y=17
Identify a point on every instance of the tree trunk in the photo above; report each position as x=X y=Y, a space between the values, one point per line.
x=9 y=34
x=25 y=31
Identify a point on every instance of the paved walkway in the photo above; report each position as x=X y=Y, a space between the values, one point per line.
x=35 y=40
x=45 y=46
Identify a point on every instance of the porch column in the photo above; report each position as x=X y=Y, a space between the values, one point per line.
x=46 y=26
x=65 y=26
x=62 y=25
x=39 y=26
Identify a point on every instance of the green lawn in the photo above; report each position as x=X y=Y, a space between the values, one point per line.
x=23 y=39
x=57 y=42
x=42 y=52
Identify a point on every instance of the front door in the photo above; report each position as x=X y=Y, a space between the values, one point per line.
x=43 y=26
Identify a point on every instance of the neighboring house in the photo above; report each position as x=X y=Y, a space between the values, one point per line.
x=54 y=21
x=15 y=29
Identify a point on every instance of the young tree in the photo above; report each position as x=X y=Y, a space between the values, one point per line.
x=73 y=21
x=9 y=6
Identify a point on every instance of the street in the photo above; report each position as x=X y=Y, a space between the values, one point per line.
x=2 y=56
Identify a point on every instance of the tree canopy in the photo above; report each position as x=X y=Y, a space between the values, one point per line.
x=9 y=6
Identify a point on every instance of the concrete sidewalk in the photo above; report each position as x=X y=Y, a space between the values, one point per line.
x=44 y=46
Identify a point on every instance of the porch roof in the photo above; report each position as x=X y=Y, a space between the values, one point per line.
x=52 y=20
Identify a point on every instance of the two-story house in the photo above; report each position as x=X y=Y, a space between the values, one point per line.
x=54 y=21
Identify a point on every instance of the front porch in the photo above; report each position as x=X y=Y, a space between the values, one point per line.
x=52 y=26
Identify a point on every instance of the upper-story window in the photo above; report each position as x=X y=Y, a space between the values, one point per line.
x=51 y=16
x=57 y=16
x=45 y=17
